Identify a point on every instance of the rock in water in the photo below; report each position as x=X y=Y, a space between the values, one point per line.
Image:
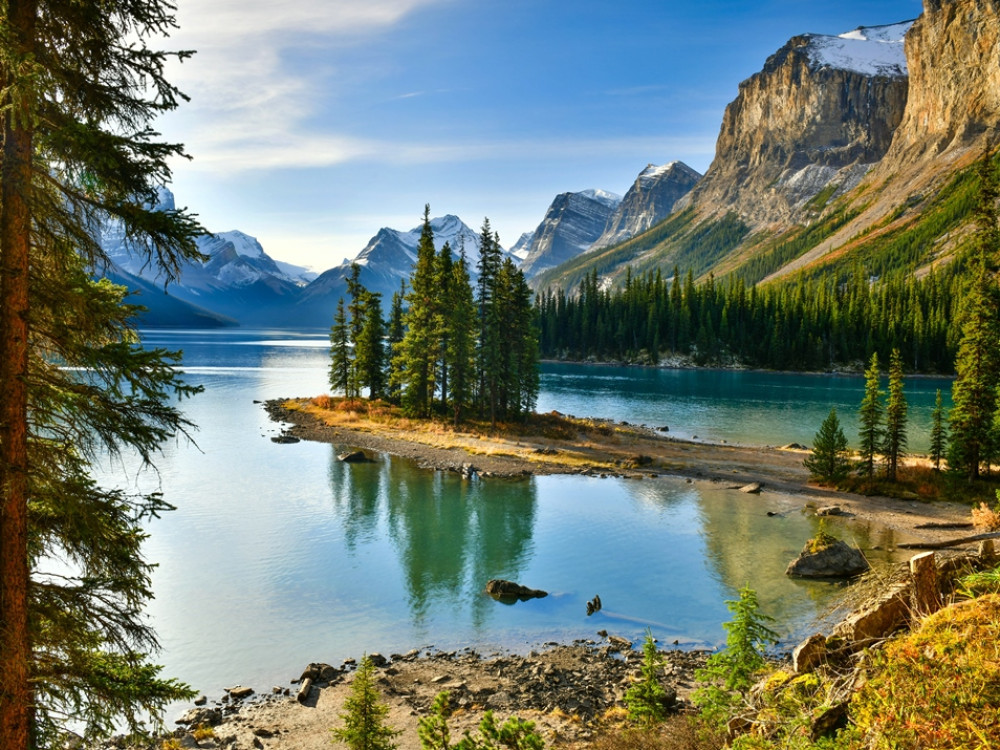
x=837 y=560
x=501 y=589
x=353 y=457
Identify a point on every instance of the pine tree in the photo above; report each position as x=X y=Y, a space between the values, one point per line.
x=355 y=322
x=461 y=343
x=81 y=83
x=340 y=351
x=646 y=700
x=977 y=364
x=895 y=417
x=394 y=339
x=419 y=350
x=830 y=460
x=364 y=714
x=369 y=350
x=871 y=431
x=939 y=436
x=488 y=352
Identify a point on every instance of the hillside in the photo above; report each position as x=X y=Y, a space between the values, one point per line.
x=843 y=150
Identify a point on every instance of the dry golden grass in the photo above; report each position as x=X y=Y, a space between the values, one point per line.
x=986 y=518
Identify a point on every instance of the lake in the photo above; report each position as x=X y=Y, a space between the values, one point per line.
x=280 y=555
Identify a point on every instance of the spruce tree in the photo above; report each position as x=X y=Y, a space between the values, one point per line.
x=830 y=460
x=364 y=714
x=356 y=322
x=395 y=330
x=895 y=417
x=646 y=700
x=419 y=350
x=80 y=84
x=461 y=342
x=369 y=349
x=340 y=351
x=977 y=364
x=870 y=435
x=939 y=434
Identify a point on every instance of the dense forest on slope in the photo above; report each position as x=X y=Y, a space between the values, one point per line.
x=881 y=292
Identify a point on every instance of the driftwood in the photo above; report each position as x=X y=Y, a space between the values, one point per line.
x=303 y=695
x=950 y=542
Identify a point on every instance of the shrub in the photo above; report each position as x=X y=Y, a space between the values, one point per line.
x=364 y=714
x=830 y=460
x=647 y=700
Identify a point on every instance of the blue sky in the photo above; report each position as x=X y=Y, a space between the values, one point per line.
x=313 y=123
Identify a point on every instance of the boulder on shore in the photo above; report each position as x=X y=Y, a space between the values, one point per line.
x=353 y=457
x=835 y=560
x=501 y=589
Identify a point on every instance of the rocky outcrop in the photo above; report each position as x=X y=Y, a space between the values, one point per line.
x=953 y=55
x=572 y=224
x=820 y=113
x=835 y=560
x=650 y=200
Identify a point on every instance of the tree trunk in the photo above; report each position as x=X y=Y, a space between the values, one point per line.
x=15 y=244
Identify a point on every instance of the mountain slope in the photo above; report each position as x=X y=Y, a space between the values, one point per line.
x=650 y=200
x=572 y=223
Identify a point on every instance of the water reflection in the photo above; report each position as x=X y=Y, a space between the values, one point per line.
x=450 y=534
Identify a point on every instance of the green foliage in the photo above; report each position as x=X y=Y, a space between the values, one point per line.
x=646 y=699
x=364 y=714
x=870 y=426
x=822 y=538
x=730 y=674
x=830 y=459
x=341 y=361
x=939 y=432
x=513 y=734
x=894 y=435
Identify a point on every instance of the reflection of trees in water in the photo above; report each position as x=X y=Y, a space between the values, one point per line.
x=451 y=535
x=356 y=489
x=505 y=521
x=746 y=546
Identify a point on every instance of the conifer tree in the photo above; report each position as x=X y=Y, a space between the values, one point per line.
x=364 y=714
x=488 y=352
x=340 y=351
x=977 y=364
x=895 y=417
x=870 y=435
x=829 y=461
x=355 y=323
x=369 y=350
x=461 y=342
x=443 y=318
x=394 y=340
x=79 y=84
x=419 y=350
x=939 y=436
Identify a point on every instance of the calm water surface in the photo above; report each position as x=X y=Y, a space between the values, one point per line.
x=279 y=555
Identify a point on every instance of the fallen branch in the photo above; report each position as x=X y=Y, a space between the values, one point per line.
x=950 y=542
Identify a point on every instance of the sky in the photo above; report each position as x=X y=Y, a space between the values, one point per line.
x=314 y=123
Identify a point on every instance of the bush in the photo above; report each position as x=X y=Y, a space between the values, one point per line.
x=647 y=700
x=364 y=714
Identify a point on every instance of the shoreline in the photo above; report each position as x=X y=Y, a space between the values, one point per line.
x=608 y=449
x=572 y=691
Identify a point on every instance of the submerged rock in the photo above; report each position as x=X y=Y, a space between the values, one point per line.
x=501 y=589
x=353 y=457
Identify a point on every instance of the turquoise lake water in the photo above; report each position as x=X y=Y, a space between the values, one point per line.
x=279 y=555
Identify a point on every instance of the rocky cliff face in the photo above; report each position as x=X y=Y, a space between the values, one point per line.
x=820 y=113
x=572 y=224
x=650 y=200
x=953 y=54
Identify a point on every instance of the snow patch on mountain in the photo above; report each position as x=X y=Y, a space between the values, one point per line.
x=868 y=50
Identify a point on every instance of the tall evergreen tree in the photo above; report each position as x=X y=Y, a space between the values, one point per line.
x=870 y=435
x=461 y=342
x=939 y=435
x=977 y=364
x=355 y=323
x=829 y=461
x=394 y=339
x=895 y=417
x=79 y=85
x=488 y=352
x=340 y=351
x=369 y=349
x=419 y=350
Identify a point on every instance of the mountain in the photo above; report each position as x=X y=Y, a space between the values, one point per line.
x=650 y=200
x=237 y=279
x=163 y=310
x=794 y=148
x=573 y=222
x=385 y=262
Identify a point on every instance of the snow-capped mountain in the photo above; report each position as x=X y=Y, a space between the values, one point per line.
x=385 y=262
x=650 y=200
x=521 y=247
x=571 y=225
x=868 y=50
